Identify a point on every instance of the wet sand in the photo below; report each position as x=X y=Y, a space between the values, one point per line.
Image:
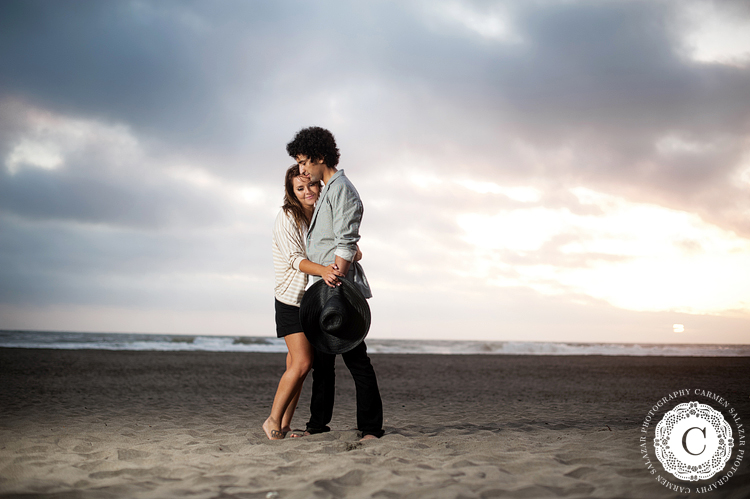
x=99 y=424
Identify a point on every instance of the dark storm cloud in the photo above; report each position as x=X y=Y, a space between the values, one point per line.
x=131 y=201
x=186 y=73
x=47 y=263
x=184 y=68
x=230 y=82
x=110 y=60
x=606 y=82
x=614 y=76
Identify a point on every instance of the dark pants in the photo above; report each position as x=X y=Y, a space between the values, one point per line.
x=369 y=404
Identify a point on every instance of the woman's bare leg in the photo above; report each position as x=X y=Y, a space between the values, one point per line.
x=299 y=361
x=286 y=420
x=285 y=425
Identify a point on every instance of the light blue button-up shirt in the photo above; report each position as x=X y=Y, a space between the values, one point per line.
x=334 y=229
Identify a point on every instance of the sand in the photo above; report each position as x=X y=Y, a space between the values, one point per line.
x=104 y=424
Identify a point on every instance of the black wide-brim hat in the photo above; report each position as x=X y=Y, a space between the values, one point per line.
x=335 y=320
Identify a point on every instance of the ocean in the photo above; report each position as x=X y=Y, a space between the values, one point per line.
x=170 y=342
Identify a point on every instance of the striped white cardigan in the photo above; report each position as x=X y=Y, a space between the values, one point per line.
x=288 y=251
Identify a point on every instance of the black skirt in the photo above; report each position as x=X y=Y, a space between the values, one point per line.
x=287 y=319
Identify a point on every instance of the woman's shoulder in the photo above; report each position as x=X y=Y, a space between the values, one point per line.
x=284 y=218
x=285 y=222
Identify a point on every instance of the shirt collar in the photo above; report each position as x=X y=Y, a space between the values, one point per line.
x=336 y=175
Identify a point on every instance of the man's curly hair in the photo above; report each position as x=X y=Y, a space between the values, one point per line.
x=315 y=143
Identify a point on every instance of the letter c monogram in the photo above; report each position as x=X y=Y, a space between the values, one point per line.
x=684 y=440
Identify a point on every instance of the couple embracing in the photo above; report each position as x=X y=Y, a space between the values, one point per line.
x=316 y=233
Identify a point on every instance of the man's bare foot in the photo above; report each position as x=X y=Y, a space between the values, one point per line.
x=299 y=434
x=368 y=437
x=271 y=432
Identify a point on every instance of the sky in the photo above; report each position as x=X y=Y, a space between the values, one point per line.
x=574 y=171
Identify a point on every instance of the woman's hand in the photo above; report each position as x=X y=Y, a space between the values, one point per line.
x=330 y=275
x=358 y=256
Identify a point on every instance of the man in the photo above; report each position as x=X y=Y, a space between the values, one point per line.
x=332 y=238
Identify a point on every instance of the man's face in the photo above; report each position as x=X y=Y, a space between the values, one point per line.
x=309 y=167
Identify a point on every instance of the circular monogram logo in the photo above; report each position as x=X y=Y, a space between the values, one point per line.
x=693 y=441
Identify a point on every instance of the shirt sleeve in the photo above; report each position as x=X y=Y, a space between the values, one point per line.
x=346 y=226
x=289 y=240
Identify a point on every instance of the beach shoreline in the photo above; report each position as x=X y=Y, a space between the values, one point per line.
x=96 y=423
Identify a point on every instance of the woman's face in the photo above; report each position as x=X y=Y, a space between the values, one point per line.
x=306 y=190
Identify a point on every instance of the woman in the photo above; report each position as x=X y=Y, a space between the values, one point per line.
x=292 y=266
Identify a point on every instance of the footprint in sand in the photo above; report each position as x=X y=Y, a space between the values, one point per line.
x=337 y=487
x=131 y=454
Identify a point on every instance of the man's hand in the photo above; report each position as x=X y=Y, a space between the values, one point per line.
x=330 y=275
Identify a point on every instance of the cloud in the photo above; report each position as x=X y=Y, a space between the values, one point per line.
x=87 y=171
x=718 y=33
x=635 y=256
x=110 y=223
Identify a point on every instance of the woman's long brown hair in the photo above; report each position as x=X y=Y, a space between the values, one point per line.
x=291 y=205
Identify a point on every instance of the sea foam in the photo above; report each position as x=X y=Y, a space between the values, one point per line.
x=163 y=342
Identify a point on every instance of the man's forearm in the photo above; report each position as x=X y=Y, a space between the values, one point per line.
x=343 y=265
